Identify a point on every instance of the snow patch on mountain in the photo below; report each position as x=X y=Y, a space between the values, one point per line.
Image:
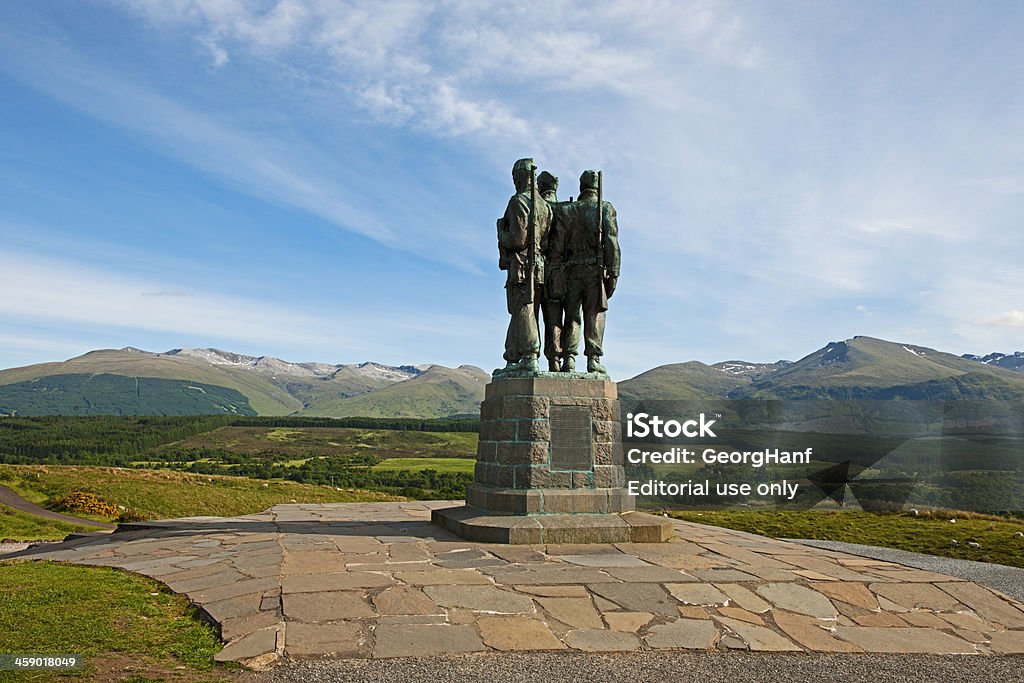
x=741 y=368
x=386 y=372
x=276 y=367
x=1009 y=361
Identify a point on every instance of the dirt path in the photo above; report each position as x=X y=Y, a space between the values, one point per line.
x=12 y=499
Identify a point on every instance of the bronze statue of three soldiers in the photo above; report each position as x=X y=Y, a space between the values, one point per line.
x=562 y=260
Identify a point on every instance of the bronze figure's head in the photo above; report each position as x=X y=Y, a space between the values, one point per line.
x=521 y=171
x=546 y=182
x=588 y=181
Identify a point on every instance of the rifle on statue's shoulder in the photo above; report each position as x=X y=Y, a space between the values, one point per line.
x=531 y=235
x=602 y=272
x=600 y=225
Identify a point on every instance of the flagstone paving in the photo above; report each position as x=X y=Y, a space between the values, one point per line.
x=377 y=580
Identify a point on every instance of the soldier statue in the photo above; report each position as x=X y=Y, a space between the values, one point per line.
x=552 y=304
x=522 y=241
x=586 y=243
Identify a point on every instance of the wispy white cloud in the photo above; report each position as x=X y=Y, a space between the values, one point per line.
x=769 y=173
x=20 y=344
x=459 y=68
x=1012 y=318
x=272 y=167
x=60 y=291
x=46 y=292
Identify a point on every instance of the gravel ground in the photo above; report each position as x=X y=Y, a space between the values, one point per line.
x=1009 y=580
x=19 y=545
x=12 y=547
x=657 y=667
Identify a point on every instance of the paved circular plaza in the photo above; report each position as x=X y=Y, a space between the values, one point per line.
x=378 y=580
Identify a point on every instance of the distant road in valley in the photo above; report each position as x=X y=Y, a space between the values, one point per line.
x=12 y=499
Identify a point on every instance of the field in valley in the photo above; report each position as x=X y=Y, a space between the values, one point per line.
x=300 y=442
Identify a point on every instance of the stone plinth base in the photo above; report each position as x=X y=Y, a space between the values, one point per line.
x=549 y=467
x=548 y=501
x=551 y=433
x=486 y=527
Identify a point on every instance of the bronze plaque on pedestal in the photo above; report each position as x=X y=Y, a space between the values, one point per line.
x=571 y=438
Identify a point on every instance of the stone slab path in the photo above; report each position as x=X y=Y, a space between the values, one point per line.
x=999 y=577
x=378 y=580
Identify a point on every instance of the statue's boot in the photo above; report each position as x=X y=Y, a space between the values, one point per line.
x=553 y=365
x=594 y=365
x=569 y=364
x=509 y=366
x=529 y=364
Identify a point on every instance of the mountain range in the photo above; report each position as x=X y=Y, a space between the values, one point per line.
x=857 y=368
x=1010 y=361
x=198 y=381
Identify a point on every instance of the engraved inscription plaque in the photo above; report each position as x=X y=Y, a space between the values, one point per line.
x=571 y=438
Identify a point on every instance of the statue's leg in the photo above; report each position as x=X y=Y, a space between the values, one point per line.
x=552 y=332
x=593 y=321
x=573 y=320
x=525 y=342
x=510 y=336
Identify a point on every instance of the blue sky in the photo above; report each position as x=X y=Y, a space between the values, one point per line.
x=319 y=180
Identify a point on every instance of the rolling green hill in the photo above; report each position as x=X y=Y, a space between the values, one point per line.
x=438 y=392
x=693 y=381
x=119 y=395
x=254 y=385
x=868 y=368
x=264 y=397
x=855 y=369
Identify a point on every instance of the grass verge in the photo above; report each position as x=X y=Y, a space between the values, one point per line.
x=127 y=627
x=22 y=526
x=154 y=494
x=931 y=535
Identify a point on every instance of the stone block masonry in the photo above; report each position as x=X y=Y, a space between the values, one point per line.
x=550 y=445
x=550 y=466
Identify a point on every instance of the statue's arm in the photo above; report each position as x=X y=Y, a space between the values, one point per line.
x=548 y=224
x=517 y=223
x=557 y=242
x=502 y=251
x=611 y=241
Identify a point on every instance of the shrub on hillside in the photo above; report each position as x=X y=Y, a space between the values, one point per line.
x=131 y=515
x=81 y=502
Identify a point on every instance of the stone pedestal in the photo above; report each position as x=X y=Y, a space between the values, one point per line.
x=549 y=467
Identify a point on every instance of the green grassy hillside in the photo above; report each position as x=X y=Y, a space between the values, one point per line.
x=931 y=534
x=270 y=387
x=691 y=381
x=327 y=441
x=119 y=395
x=868 y=368
x=264 y=397
x=21 y=526
x=438 y=392
x=162 y=494
x=861 y=368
